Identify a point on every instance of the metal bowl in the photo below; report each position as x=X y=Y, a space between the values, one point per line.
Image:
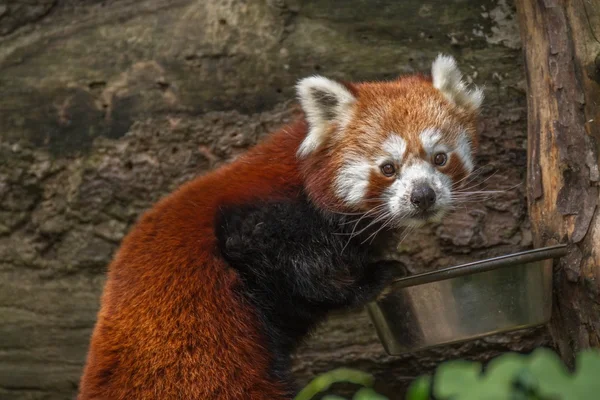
x=466 y=302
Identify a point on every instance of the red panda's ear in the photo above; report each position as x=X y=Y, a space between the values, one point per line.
x=324 y=102
x=447 y=78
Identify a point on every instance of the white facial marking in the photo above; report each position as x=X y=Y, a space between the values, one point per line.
x=398 y=194
x=353 y=180
x=464 y=150
x=324 y=101
x=447 y=78
x=430 y=138
x=395 y=146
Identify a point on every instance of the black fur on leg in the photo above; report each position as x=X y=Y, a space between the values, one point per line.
x=296 y=267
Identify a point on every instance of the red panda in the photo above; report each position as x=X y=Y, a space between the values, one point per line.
x=216 y=285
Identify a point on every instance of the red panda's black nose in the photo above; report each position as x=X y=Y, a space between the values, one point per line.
x=422 y=196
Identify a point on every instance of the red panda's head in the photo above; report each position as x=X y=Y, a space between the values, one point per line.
x=401 y=146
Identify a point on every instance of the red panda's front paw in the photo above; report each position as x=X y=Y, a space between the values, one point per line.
x=378 y=276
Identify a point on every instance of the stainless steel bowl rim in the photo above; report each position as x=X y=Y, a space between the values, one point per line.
x=521 y=258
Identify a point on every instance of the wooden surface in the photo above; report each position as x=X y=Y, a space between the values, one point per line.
x=560 y=43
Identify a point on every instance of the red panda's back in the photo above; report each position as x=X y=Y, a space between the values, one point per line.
x=171 y=323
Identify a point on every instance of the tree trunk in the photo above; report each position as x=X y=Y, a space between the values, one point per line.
x=562 y=53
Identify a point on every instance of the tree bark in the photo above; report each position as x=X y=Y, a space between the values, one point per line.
x=562 y=53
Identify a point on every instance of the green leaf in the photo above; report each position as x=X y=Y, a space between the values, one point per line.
x=525 y=383
x=419 y=389
x=333 y=397
x=324 y=381
x=453 y=377
x=538 y=376
x=503 y=369
x=552 y=375
x=368 y=394
x=501 y=374
x=586 y=379
x=462 y=380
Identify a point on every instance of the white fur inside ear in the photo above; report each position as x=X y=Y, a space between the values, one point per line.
x=324 y=102
x=447 y=78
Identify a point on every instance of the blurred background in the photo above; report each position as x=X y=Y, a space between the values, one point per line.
x=105 y=106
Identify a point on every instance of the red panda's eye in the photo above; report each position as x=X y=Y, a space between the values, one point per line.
x=440 y=159
x=388 y=169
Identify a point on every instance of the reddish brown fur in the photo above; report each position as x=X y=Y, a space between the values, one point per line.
x=405 y=106
x=171 y=326
x=455 y=169
x=377 y=184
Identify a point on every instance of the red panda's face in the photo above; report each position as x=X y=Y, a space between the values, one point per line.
x=396 y=149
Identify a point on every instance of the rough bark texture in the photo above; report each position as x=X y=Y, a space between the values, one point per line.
x=560 y=41
x=108 y=105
